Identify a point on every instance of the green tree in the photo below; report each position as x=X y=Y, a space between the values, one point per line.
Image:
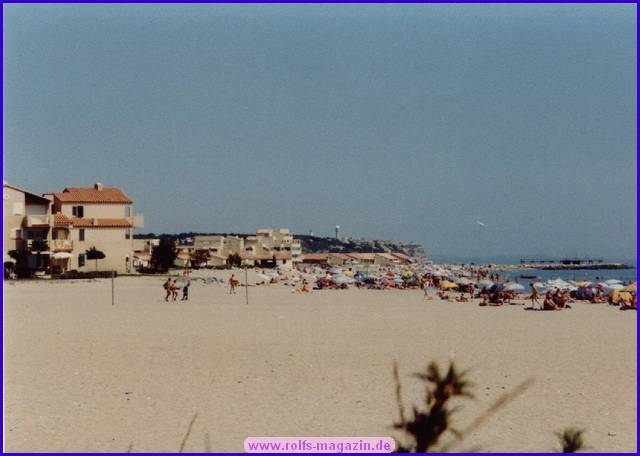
x=38 y=246
x=200 y=256
x=234 y=259
x=164 y=255
x=95 y=254
x=21 y=268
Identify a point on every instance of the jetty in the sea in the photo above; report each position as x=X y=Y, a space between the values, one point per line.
x=571 y=263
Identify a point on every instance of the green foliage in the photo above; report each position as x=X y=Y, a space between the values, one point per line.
x=571 y=440
x=95 y=254
x=164 y=255
x=39 y=246
x=234 y=260
x=21 y=268
x=200 y=257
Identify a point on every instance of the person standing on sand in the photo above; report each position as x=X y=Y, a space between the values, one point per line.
x=167 y=288
x=174 y=290
x=232 y=284
x=534 y=296
x=185 y=291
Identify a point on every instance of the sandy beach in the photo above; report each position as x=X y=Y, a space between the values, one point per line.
x=82 y=375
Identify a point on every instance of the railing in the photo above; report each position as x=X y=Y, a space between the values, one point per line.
x=138 y=221
x=37 y=220
x=62 y=244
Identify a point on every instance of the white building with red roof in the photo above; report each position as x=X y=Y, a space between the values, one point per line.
x=100 y=217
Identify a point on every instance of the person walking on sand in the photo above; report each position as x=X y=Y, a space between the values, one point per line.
x=167 y=288
x=233 y=282
x=185 y=291
x=534 y=296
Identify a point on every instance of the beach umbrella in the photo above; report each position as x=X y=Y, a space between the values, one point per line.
x=612 y=281
x=464 y=281
x=61 y=255
x=615 y=286
x=633 y=288
x=407 y=274
x=496 y=287
x=624 y=295
x=539 y=286
x=446 y=285
x=514 y=287
x=584 y=283
x=485 y=284
x=398 y=280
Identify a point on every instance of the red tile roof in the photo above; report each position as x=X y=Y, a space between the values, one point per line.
x=63 y=220
x=108 y=195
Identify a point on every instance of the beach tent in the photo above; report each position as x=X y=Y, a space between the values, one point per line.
x=584 y=293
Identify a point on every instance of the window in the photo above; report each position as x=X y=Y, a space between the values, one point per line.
x=81 y=234
x=127 y=234
x=16 y=233
x=81 y=260
x=77 y=211
x=18 y=208
x=127 y=211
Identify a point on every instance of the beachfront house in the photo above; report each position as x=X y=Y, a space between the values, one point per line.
x=26 y=218
x=315 y=259
x=363 y=258
x=386 y=259
x=100 y=217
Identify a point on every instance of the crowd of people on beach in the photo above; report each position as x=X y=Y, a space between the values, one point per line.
x=489 y=287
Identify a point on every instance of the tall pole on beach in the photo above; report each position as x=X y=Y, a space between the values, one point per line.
x=246 y=286
x=112 y=295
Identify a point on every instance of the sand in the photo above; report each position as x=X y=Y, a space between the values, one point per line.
x=82 y=375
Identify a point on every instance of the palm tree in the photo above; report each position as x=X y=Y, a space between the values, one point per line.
x=95 y=254
x=39 y=246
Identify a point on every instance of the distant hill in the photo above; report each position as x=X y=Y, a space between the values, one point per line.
x=315 y=244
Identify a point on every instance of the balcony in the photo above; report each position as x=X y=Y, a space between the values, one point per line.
x=61 y=244
x=34 y=221
x=138 y=221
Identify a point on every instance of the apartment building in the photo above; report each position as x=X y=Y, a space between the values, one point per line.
x=100 y=217
x=26 y=217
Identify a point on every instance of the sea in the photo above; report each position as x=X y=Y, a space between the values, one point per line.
x=592 y=275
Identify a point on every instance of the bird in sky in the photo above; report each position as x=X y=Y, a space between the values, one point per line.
x=480 y=223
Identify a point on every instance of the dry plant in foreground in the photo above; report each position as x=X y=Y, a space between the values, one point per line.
x=426 y=427
x=571 y=440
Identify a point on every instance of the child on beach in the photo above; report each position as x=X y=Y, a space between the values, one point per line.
x=233 y=282
x=185 y=291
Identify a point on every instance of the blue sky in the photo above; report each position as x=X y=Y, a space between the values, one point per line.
x=407 y=122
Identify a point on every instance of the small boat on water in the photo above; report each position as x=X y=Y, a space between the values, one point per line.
x=528 y=277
